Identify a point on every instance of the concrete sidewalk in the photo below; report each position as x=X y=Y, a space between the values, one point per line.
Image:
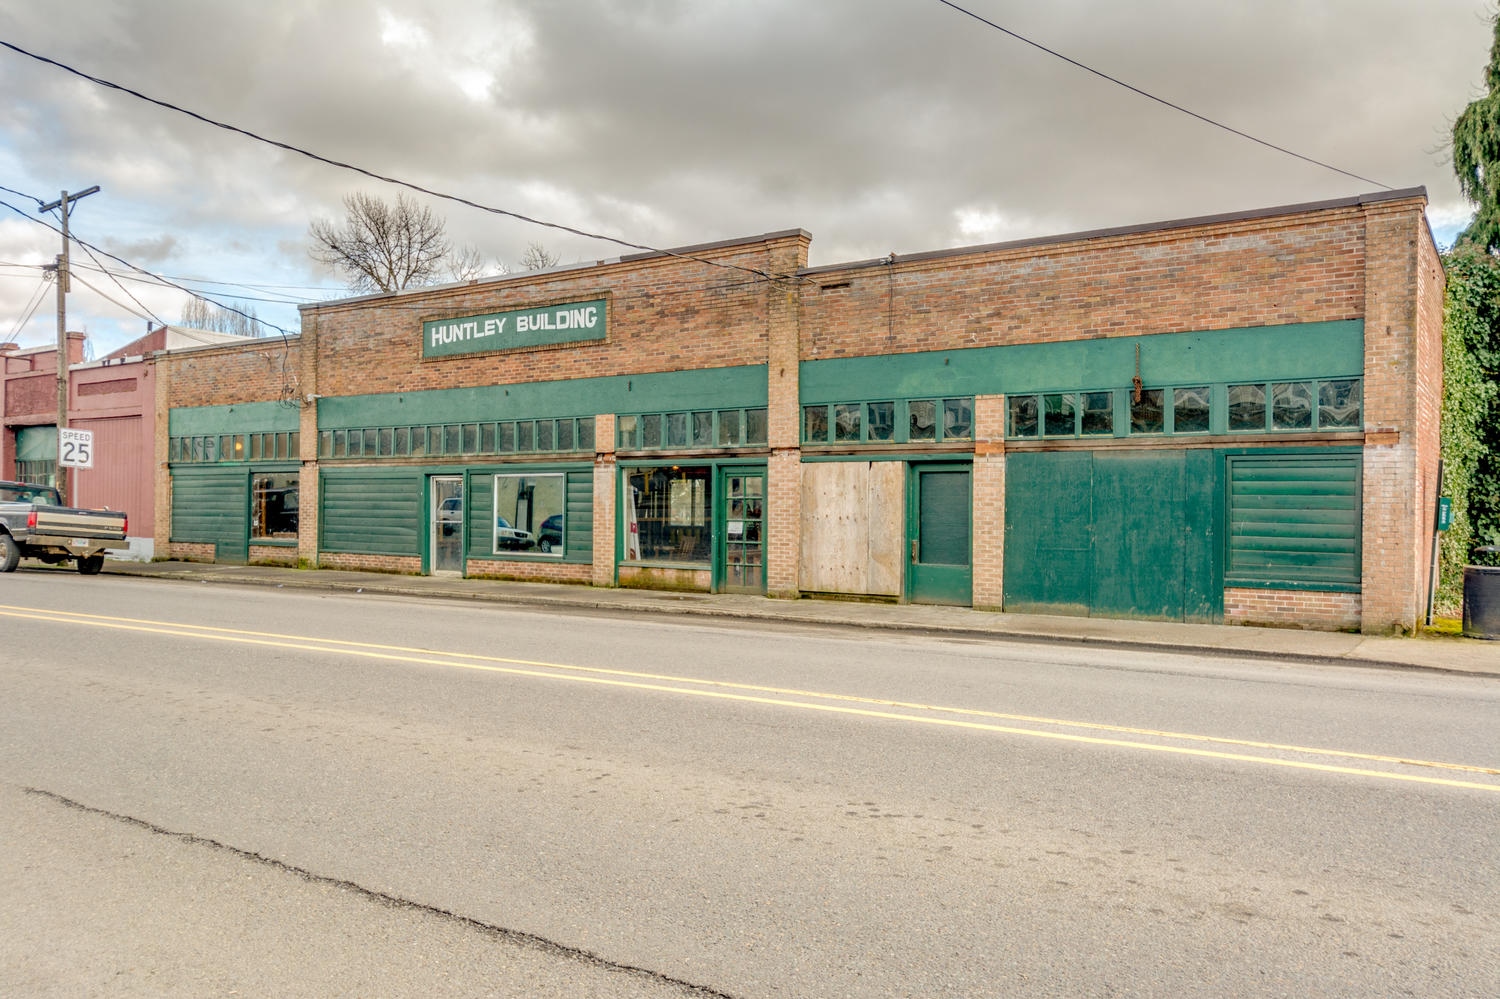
x=1430 y=651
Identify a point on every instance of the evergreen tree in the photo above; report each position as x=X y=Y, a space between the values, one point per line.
x=1476 y=156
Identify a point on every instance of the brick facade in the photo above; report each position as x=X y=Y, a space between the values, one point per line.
x=1360 y=260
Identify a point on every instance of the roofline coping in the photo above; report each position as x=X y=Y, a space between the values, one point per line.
x=722 y=244
x=1353 y=201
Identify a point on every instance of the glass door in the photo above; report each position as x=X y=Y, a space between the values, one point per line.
x=742 y=530
x=447 y=513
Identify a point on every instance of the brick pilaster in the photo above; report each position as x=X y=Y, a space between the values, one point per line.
x=604 y=500
x=1393 y=535
x=989 y=502
x=784 y=423
x=161 y=470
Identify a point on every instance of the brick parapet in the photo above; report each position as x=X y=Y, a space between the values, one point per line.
x=1265 y=271
x=665 y=313
x=252 y=371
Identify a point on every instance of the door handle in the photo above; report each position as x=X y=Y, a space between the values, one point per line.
x=915 y=547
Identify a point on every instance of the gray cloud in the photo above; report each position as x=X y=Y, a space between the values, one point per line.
x=877 y=126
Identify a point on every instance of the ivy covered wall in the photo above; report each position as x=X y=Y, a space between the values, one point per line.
x=1471 y=415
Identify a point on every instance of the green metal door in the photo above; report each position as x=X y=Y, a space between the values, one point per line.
x=939 y=569
x=1049 y=532
x=1117 y=534
x=742 y=545
x=1138 y=535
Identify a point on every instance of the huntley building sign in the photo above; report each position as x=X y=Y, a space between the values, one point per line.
x=552 y=324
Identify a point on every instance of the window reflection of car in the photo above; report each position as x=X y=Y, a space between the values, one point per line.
x=451 y=515
x=550 y=536
x=512 y=538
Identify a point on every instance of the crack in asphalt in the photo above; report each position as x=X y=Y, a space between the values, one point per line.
x=520 y=937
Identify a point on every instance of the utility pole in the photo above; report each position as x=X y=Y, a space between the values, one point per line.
x=65 y=203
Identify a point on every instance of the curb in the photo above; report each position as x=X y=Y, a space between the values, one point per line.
x=658 y=604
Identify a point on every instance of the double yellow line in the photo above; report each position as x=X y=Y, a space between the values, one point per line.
x=1299 y=757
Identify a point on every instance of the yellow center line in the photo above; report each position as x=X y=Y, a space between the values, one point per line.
x=748 y=693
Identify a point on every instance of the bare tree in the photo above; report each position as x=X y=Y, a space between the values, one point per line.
x=538 y=258
x=382 y=247
x=238 y=317
x=465 y=263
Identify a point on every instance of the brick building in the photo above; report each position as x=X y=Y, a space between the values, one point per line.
x=1230 y=419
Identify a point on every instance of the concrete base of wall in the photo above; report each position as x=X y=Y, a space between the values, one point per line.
x=643 y=577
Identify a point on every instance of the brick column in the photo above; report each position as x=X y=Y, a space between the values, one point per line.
x=161 y=470
x=309 y=495
x=1393 y=534
x=784 y=426
x=604 y=500
x=989 y=502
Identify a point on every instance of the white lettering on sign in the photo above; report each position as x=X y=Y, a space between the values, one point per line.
x=469 y=330
x=75 y=448
x=560 y=319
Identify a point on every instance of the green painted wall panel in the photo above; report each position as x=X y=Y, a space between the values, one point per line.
x=1202 y=558
x=714 y=388
x=1294 y=519
x=580 y=516
x=211 y=506
x=1266 y=353
x=1049 y=543
x=1137 y=529
x=241 y=418
x=373 y=511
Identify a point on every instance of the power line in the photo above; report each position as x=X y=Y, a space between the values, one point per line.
x=171 y=284
x=1149 y=96
x=30 y=310
x=288 y=147
x=23 y=194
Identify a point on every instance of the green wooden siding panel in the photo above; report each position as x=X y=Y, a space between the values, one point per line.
x=1294 y=519
x=579 y=546
x=1114 y=534
x=211 y=506
x=713 y=388
x=373 y=511
x=241 y=418
x=1049 y=542
x=1138 y=534
x=1264 y=353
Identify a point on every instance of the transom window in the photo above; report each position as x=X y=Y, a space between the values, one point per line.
x=692 y=429
x=889 y=421
x=212 y=448
x=435 y=440
x=1320 y=405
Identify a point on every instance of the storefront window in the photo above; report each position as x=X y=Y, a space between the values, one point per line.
x=273 y=507
x=530 y=514
x=669 y=514
x=1146 y=413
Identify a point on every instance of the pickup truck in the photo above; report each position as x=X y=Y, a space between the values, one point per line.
x=35 y=524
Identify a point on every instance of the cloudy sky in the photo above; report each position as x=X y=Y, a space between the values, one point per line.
x=877 y=125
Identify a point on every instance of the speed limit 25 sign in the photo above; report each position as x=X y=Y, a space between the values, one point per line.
x=75 y=448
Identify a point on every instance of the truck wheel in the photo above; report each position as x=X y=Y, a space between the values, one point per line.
x=90 y=566
x=10 y=553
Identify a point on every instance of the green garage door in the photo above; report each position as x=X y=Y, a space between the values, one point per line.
x=1114 y=534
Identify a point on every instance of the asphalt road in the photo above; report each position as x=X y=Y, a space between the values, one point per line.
x=219 y=791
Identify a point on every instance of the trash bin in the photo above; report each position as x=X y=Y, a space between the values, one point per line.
x=1482 y=598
